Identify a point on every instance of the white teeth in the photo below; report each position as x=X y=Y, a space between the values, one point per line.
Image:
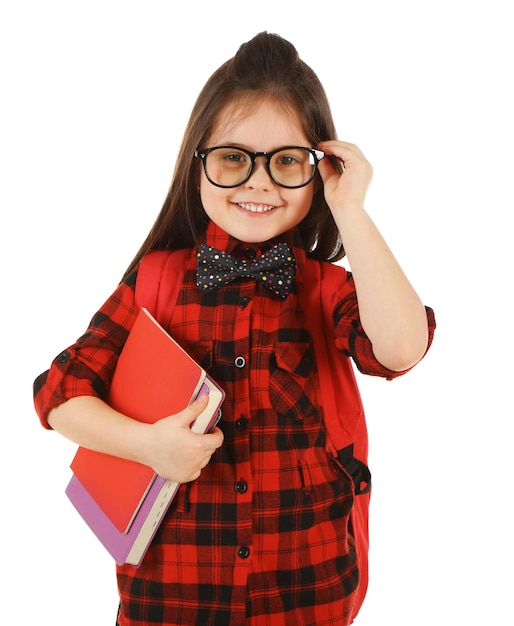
x=255 y=208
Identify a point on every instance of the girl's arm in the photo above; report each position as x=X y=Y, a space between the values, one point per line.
x=391 y=312
x=168 y=446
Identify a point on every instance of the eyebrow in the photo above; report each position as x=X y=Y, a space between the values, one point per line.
x=232 y=144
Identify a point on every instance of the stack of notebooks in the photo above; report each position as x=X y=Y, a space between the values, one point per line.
x=123 y=502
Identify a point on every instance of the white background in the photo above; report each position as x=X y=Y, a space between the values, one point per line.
x=94 y=100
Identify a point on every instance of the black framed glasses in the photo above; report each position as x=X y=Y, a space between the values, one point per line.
x=290 y=167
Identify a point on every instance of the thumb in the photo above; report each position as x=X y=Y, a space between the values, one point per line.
x=191 y=412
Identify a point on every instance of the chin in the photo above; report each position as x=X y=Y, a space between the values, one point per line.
x=254 y=236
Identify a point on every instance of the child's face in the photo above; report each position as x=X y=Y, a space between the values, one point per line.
x=257 y=210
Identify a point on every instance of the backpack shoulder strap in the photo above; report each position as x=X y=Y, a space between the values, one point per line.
x=344 y=416
x=158 y=281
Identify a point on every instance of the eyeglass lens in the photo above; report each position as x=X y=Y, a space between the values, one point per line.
x=230 y=167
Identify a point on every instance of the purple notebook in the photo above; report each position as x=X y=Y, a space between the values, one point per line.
x=131 y=547
x=127 y=547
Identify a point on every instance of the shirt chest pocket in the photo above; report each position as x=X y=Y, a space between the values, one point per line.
x=293 y=380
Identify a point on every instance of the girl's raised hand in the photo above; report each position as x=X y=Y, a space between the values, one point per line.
x=349 y=188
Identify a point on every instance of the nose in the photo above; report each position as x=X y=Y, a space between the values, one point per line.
x=260 y=176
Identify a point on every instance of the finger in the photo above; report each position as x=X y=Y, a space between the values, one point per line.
x=336 y=152
x=193 y=476
x=326 y=169
x=215 y=438
x=342 y=150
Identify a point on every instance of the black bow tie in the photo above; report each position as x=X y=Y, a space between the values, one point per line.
x=275 y=268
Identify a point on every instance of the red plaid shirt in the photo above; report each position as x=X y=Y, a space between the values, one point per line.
x=262 y=536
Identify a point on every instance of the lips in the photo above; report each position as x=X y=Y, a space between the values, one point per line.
x=256 y=208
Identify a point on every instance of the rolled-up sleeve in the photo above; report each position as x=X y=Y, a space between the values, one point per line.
x=352 y=340
x=86 y=367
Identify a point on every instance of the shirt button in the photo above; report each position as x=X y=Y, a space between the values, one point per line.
x=250 y=253
x=244 y=302
x=242 y=423
x=305 y=362
x=241 y=486
x=240 y=362
x=243 y=552
x=63 y=357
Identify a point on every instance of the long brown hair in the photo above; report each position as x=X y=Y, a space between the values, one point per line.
x=266 y=67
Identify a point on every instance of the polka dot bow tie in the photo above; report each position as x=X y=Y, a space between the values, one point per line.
x=275 y=268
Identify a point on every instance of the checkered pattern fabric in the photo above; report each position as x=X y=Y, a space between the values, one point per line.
x=263 y=536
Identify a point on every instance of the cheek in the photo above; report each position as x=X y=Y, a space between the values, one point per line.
x=203 y=186
x=305 y=202
x=209 y=195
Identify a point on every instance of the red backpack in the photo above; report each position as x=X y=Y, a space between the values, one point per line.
x=158 y=282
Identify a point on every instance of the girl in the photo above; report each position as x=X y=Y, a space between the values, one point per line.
x=260 y=532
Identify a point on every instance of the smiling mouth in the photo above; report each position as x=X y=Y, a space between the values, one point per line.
x=255 y=208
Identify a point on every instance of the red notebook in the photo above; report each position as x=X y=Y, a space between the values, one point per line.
x=154 y=378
